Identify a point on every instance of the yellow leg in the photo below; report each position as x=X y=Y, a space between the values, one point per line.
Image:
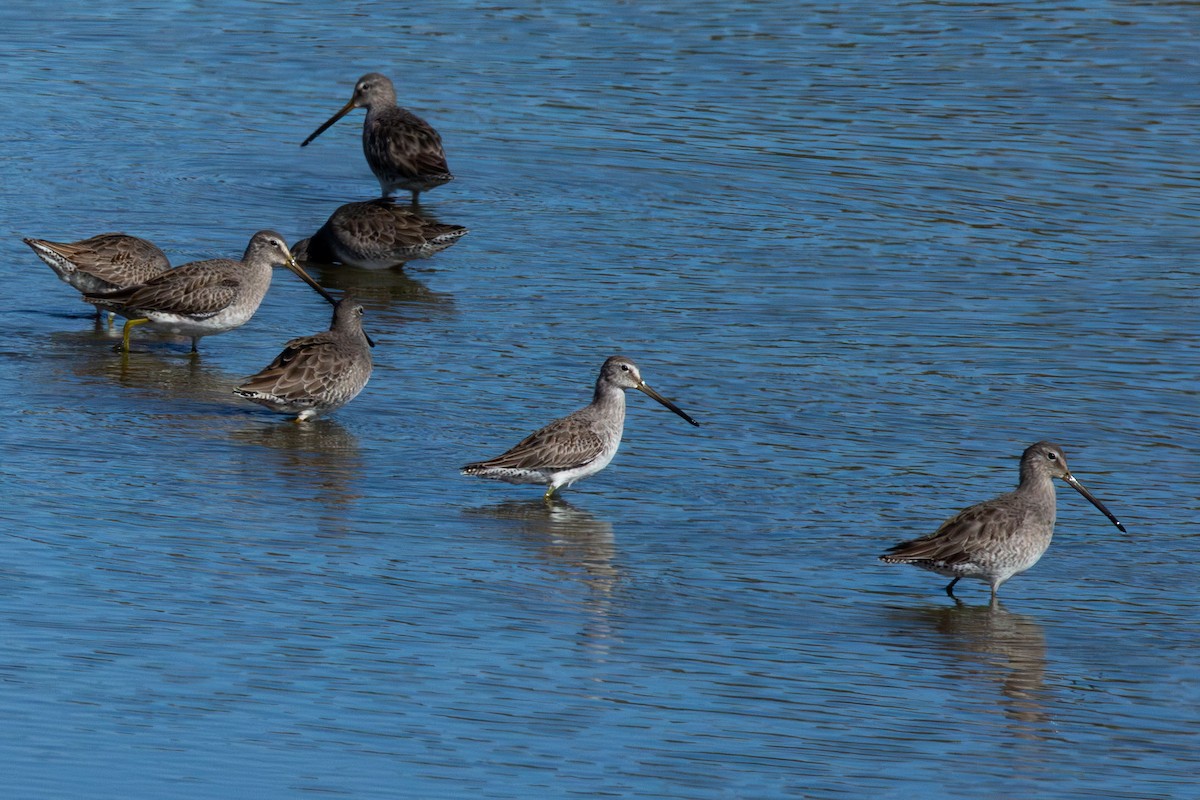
x=549 y=495
x=129 y=329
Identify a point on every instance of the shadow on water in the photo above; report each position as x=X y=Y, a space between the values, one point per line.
x=571 y=541
x=326 y=455
x=993 y=646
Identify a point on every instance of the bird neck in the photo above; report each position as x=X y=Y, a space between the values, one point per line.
x=1036 y=481
x=376 y=109
x=318 y=248
x=258 y=278
x=608 y=395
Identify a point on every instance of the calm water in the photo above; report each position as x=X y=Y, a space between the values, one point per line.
x=876 y=251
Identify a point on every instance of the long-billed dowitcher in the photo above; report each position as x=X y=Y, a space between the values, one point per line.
x=579 y=444
x=375 y=234
x=103 y=263
x=403 y=150
x=1001 y=537
x=205 y=297
x=316 y=374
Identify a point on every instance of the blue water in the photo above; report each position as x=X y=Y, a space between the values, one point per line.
x=876 y=250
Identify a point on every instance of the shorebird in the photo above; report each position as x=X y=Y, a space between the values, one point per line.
x=403 y=150
x=375 y=234
x=103 y=263
x=204 y=297
x=579 y=444
x=316 y=374
x=1001 y=537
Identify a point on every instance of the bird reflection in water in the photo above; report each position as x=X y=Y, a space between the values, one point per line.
x=164 y=374
x=326 y=454
x=575 y=543
x=995 y=645
x=384 y=293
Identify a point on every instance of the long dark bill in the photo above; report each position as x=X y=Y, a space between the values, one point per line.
x=1077 y=486
x=295 y=267
x=345 y=110
x=643 y=387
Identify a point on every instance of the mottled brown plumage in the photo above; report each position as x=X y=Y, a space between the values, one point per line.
x=403 y=150
x=104 y=263
x=568 y=443
x=1001 y=537
x=376 y=234
x=316 y=374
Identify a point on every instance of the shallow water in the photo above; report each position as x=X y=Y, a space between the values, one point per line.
x=875 y=251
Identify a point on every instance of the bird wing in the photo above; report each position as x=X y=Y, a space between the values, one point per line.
x=200 y=289
x=376 y=227
x=957 y=539
x=411 y=141
x=120 y=259
x=306 y=365
x=564 y=444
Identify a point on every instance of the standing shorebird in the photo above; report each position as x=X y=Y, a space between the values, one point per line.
x=316 y=374
x=1001 y=537
x=403 y=150
x=104 y=263
x=579 y=444
x=205 y=297
x=376 y=234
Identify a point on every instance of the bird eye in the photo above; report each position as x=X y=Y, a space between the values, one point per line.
x=1052 y=456
x=624 y=368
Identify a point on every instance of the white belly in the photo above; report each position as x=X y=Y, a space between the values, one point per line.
x=225 y=320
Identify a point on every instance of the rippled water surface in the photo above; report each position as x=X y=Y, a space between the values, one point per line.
x=876 y=250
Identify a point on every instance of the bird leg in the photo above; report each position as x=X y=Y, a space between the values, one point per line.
x=129 y=325
x=950 y=587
